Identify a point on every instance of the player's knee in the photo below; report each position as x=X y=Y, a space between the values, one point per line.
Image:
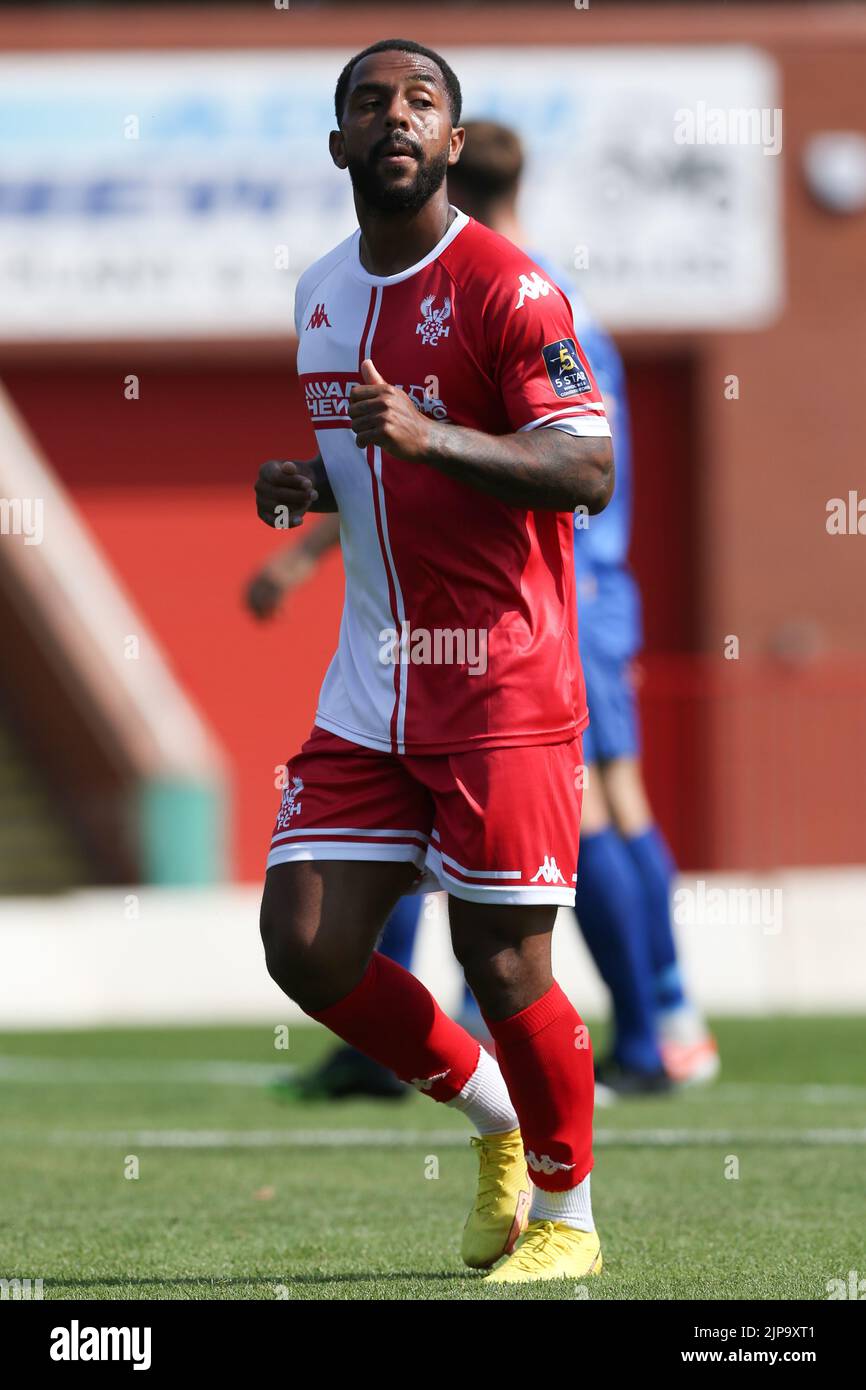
x=281 y=956
x=287 y=953
x=505 y=967
x=492 y=976
x=295 y=956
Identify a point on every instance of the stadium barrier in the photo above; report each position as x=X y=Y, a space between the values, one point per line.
x=788 y=942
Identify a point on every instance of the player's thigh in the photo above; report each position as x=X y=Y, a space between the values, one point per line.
x=320 y=920
x=594 y=816
x=626 y=795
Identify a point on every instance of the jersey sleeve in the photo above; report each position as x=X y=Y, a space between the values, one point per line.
x=543 y=375
x=300 y=299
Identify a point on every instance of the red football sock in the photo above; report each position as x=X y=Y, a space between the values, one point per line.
x=392 y=1018
x=545 y=1055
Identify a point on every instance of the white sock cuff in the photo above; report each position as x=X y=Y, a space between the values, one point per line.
x=572 y=1208
x=485 y=1099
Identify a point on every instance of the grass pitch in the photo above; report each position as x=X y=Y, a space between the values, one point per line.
x=242 y=1196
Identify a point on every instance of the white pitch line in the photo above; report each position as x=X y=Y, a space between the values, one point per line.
x=83 y=1072
x=444 y=1138
x=86 y=1071
x=803 y=1092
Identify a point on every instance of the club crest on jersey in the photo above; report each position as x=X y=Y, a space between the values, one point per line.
x=532 y=287
x=565 y=369
x=432 y=326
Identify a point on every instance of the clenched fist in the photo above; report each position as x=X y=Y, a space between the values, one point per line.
x=284 y=492
x=385 y=415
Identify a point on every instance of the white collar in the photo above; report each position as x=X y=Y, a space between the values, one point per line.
x=360 y=273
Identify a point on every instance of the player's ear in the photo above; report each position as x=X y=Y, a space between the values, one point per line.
x=337 y=146
x=458 y=135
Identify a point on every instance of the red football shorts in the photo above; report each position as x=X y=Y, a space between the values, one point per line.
x=496 y=825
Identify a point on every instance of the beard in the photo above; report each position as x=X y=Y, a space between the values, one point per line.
x=380 y=196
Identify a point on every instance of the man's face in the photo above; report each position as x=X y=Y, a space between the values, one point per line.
x=395 y=137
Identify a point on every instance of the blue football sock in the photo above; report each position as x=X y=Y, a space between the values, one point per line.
x=655 y=867
x=398 y=939
x=610 y=910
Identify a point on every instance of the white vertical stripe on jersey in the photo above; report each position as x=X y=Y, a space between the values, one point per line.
x=371 y=331
x=402 y=674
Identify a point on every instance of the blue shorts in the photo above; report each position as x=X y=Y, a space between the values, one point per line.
x=614 y=729
x=609 y=631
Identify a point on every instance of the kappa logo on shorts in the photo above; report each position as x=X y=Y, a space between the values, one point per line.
x=549 y=871
x=290 y=805
x=565 y=369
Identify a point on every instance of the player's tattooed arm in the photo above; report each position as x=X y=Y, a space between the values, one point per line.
x=286 y=491
x=542 y=469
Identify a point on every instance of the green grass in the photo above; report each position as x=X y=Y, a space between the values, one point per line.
x=363 y=1221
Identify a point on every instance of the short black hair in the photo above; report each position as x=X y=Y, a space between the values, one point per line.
x=491 y=161
x=452 y=86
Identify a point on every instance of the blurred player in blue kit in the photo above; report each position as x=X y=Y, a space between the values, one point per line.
x=625 y=868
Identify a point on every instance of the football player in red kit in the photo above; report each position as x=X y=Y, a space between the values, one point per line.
x=458 y=426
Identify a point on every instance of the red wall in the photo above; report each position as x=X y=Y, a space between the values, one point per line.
x=165 y=483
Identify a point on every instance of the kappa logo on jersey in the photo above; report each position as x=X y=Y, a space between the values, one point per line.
x=318 y=318
x=328 y=399
x=547 y=1165
x=565 y=369
x=549 y=871
x=532 y=287
x=432 y=325
x=290 y=806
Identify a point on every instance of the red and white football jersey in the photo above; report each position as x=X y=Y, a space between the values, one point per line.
x=459 y=627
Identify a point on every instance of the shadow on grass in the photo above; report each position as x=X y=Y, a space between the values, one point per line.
x=205 y=1281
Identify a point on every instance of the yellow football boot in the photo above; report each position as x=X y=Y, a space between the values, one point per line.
x=550 y=1250
x=495 y=1223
